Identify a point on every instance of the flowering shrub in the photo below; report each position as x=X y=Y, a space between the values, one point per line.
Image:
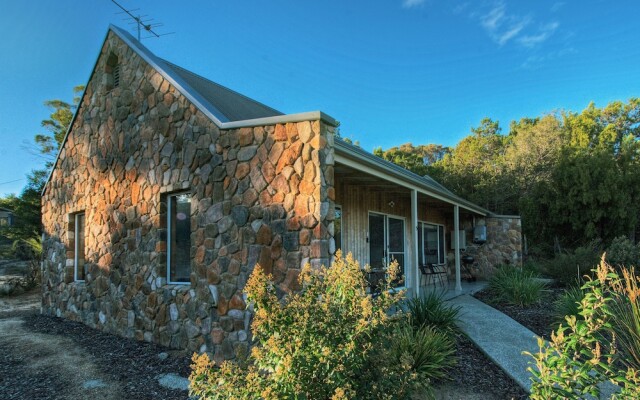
x=330 y=341
x=585 y=354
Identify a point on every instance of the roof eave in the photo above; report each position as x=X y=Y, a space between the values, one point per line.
x=375 y=162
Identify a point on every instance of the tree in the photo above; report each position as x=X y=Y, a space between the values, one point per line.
x=414 y=158
x=57 y=124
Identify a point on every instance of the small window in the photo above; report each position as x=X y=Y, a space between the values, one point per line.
x=337 y=228
x=78 y=248
x=4 y=221
x=179 y=240
x=113 y=72
x=431 y=243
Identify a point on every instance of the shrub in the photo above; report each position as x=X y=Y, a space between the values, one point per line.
x=625 y=314
x=570 y=268
x=426 y=351
x=568 y=304
x=514 y=286
x=330 y=341
x=586 y=353
x=431 y=310
x=622 y=252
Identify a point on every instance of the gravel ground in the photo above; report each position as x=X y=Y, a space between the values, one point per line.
x=51 y=358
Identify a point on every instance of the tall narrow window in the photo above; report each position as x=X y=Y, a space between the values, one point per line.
x=179 y=240
x=337 y=228
x=78 y=248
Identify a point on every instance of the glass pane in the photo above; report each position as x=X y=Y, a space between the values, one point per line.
x=79 y=250
x=420 y=244
x=376 y=241
x=431 y=243
x=441 y=244
x=180 y=250
x=400 y=259
x=396 y=235
x=337 y=226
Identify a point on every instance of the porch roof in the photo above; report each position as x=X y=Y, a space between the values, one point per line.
x=362 y=160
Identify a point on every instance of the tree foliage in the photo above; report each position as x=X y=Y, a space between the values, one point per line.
x=573 y=176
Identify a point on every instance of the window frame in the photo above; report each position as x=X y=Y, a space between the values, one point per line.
x=76 y=237
x=439 y=246
x=168 y=198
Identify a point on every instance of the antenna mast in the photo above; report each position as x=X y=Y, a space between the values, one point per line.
x=141 y=23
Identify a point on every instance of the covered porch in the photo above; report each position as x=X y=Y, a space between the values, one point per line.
x=385 y=213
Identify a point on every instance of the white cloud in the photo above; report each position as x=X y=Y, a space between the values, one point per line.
x=542 y=35
x=502 y=27
x=492 y=20
x=412 y=3
x=538 y=60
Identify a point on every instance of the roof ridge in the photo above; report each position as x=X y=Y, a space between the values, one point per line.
x=172 y=65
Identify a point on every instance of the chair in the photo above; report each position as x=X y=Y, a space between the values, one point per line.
x=433 y=272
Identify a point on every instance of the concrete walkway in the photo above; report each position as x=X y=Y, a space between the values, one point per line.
x=501 y=338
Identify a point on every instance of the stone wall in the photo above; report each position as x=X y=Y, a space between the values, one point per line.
x=260 y=194
x=503 y=246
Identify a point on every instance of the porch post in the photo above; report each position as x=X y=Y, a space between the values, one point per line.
x=415 y=275
x=456 y=242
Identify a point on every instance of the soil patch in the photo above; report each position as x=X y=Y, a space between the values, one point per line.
x=477 y=377
x=51 y=358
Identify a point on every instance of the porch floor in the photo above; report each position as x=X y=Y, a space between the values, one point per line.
x=449 y=288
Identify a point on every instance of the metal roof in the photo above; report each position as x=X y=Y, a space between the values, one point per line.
x=232 y=105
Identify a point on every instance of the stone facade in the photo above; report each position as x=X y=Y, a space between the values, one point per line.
x=503 y=245
x=259 y=195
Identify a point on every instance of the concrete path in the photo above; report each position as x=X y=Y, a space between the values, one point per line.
x=501 y=338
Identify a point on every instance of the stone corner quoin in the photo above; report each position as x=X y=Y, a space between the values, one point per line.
x=259 y=195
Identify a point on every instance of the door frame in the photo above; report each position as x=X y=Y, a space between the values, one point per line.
x=386 y=241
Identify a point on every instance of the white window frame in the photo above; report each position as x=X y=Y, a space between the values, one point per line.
x=386 y=244
x=421 y=224
x=76 y=244
x=169 y=226
x=339 y=207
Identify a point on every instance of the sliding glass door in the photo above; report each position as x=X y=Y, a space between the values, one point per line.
x=431 y=243
x=386 y=241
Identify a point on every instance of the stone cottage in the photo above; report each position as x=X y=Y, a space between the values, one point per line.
x=169 y=189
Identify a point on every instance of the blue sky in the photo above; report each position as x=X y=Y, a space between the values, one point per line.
x=393 y=71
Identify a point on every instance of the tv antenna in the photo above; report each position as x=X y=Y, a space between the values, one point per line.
x=142 y=22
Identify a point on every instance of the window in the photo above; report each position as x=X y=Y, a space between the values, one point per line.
x=112 y=70
x=431 y=243
x=116 y=76
x=4 y=221
x=179 y=238
x=337 y=228
x=78 y=247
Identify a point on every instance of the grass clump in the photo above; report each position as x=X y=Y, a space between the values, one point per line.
x=514 y=286
x=431 y=310
x=568 y=304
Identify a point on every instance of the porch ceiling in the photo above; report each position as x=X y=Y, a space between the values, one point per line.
x=347 y=175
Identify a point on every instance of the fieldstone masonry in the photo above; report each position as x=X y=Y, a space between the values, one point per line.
x=503 y=246
x=260 y=195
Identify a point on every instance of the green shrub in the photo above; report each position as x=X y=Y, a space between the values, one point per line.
x=586 y=353
x=514 y=286
x=330 y=341
x=567 y=304
x=622 y=252
x=426 y=351
x=625 y=314
x=431 y=310
x=570 y=268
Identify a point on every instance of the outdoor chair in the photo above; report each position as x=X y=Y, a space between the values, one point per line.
x=433 y=273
